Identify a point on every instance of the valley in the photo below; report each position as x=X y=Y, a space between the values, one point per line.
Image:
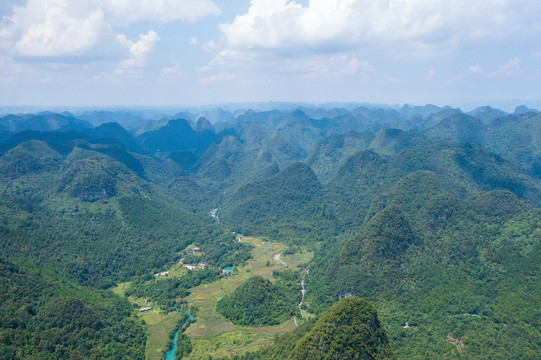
x=266 y=228
x=210 y=330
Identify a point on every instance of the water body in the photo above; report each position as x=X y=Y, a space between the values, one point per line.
x=170 y=355
x=228 y=270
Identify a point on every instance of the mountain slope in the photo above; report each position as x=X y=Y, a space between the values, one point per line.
x=287 y=204
x=449 y=262
x=462 y=170
x=46 y=317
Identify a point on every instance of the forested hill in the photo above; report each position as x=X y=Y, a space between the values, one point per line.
x=429 y=213
x=350 y=329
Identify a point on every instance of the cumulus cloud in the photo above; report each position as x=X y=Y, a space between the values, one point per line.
x=160 y=10
x=139 y=51
x=416 y=27
x=59 y=28
x=61 y=34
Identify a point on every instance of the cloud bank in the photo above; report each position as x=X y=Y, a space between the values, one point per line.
x=59 y=28
x=416 y=27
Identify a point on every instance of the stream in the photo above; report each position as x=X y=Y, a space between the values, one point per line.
x=170 y=355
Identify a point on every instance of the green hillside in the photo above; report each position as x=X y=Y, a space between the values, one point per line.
x=45 y=317
x=446 y=268
x=288 y=204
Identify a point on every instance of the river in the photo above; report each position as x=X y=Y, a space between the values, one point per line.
x=170 y=355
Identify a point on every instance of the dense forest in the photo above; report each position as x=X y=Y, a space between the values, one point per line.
x=430 y=214
x=258 y=302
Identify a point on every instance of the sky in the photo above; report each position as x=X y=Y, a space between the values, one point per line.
x=192 y=52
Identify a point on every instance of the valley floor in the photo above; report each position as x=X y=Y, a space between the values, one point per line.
x=211 y=334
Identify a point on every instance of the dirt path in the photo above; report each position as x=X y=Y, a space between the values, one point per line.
x=277 y=257
x=303 y=291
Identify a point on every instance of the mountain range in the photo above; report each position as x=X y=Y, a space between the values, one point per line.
x=428 y=214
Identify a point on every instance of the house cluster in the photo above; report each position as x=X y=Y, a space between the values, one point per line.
x=200 y=265
x=165 y=273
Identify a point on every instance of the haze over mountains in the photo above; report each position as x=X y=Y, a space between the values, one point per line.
x=429 y=213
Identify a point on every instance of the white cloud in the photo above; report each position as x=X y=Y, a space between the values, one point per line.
x=6 y=6
x=59 y=28
x=474 y=69
x=231 y=58
x=139 y=51
x=508 y=69
x=471 y=71
x=210 y=46
x=194 y=41
x=61 y=34
x=415 y=27
x=430 y=75
x=159 y=10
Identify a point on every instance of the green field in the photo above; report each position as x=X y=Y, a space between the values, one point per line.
x=211 y=334
x=159 y=333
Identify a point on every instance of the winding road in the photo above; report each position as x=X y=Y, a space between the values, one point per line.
x=303 y=291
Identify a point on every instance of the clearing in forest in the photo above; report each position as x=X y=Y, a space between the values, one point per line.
x=213 y=335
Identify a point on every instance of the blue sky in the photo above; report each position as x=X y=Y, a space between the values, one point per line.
x=191 y=52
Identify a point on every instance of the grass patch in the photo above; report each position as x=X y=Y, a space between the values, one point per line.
x=159 y=329
x=121 y=288
x=229 y=344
